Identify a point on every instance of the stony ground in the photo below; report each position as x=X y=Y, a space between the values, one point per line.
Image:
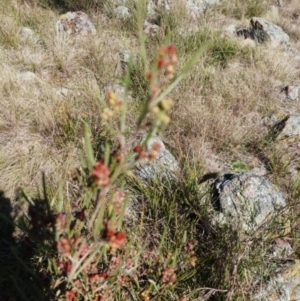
x=237 y=110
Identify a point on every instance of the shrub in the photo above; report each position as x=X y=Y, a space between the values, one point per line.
x=80 y=250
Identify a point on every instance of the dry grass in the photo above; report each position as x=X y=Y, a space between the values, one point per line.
x=47 y=123
x=218 y=108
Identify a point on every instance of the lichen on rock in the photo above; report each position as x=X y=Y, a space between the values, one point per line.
x=164 y=166
x=246 y=201
x=75 y=23
x=263 y=31
x=283 y=285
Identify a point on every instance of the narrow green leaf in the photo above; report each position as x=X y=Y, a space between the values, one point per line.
x=107 y=154
x=162 y=240
x=88 y=147
x=177 y=80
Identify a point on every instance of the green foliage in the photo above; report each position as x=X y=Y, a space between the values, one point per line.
x=67 y=125
x=77 y=246
x=138 y=82
x=238 y=166
x=255 y=8
x=278 y=163
x=220 y=53
x=165 y=210
x=244 y=9
x=224 y=50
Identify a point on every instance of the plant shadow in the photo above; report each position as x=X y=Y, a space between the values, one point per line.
x=25 y=244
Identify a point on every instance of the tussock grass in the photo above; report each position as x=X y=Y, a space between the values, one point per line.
x=245 y=9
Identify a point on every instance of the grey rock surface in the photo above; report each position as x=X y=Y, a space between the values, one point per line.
x=63 y=91
x=27 y=34
x=122 y=12
x=297 y=58
x=150 y=28
x=230 y=29
x=117 y=89
x=292 y=92
x=26 y=76
x=281 y=248
x=270 y=120
x=288 y=127
x=154 y=5
x=245 y=200
x=282 y=286
x=75 y=23
x=164 y=166
x=263 y=31
x=125 y=56
x=197 y=7
x=121 y=2
x=287 y=144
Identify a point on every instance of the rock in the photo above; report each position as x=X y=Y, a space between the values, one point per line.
x=75 y=23
x=63 y=91
x=164 y=166
x=243 y=32
x=279 y=2
x=292 y=92
x=281 y=248
x=116 y=89
x=125 y=57
x=150 y=28
x=121 y=2
x=289 y=127
x=197 y=7
x=122 y=12
x=297 y=58
x=247 y=163
x=27 y=34
x=26 y=76
x=246 y=201
x=230 y=29
x=154 y=5
x=269 y=121
x=263 y=31
x=286 y=135
x=284 y=285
